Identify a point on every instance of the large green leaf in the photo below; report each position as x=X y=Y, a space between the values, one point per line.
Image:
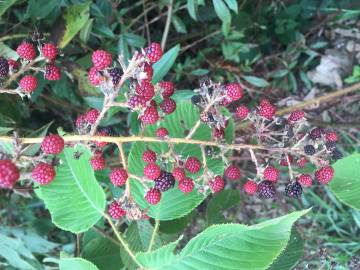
x=76 y=264
x=346 y=182
x=75 y=199
x=174 y=204
x=7 y=52
x=162 y=66
x=227 y=246
x=76 y=17
x=5 y=4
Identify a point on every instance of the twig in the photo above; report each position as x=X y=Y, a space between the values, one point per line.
x=153 y=235
x=100 y=231
x=167 y=24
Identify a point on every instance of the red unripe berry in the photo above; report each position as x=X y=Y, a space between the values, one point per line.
x=218 y=133
x=149 y=71
x=250 y=187
x=301 y=162
x=153 y=52
x=284 y=160
x=241 y=112
x=271 y=174
x=92 y=116
x=232 y=173
x=137 y=102
x=162 y=133
x=152 y=171
x=94 y=76
x=49 y=51
x=178 y=173
x=150 y=115
x=101 y=59
x=52 y=72
x=331 y=136
x=149 y=156
x=167 y=89
x=192 y=165
x=186 y=185
x=43 y=173
x=168 y=106
x=305 y=180
x=103 y=133
x=115 y=210
x=118 y=176
x=53 y=144
x=325 y=174
x=9 y=174
x=145 y=89
x=267 y=110
x=80 y=121
x=296 y=116
x=234 y=91
x=97 y=162
x=217 y=184
x=26 y=51
x=28 y=83
x=13 y=64
x=153 y=196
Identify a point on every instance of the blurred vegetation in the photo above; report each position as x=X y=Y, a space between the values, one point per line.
x=271 y=47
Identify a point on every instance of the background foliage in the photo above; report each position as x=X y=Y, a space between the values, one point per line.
x=273 y=47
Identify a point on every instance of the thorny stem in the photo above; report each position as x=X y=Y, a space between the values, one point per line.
x=289 y=166
x=152 y=240
x=253 y=158
x=104 y=234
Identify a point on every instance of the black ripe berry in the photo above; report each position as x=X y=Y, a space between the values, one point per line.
x=115 y=74
x=196 y=99
x=309 y=149
x=293 y=190
x=330 y=146
x=315 y=133
x=211 y=117
x=165 y=181
x=336 y=154
x=4 y=67
x=266 y=189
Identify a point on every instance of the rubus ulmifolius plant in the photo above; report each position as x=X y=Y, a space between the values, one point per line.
x=183 y=152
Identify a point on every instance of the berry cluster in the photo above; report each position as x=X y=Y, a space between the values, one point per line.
x=27 y=52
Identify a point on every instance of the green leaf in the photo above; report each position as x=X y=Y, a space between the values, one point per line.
x=76 y=17
x=86 y=31
x=175 y=204
x=179 y=25
x=192 y=8
x=227 y=246
x=39 y=9
x=233 y=5
x=32 y=149
x=220 y=202
x=162 y=66
x=103 y=253
x=5 y=4
x=7 y=52
x=258 y=82
x=224 y=14
x=346 y=182
x=75 y=199
x=76 y=263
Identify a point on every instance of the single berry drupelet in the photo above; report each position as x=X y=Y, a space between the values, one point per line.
x=336 y=154
x=153 y=52
x=26 y=51
x=92 y=115
x=315 y=133
x=196 y=99
x=167 y=89
x=52 y=72
x=266 y=189
x=293 y=190
x=241 y=112
x=28 y=83
x=232 y=173
x=95 y=77
x=149 y=156
x=192 y=165
x=115 y=75
x=250 y=187
x=271 y=174
x=309 y=149
x=4 y=67
x=234 y=91
x=49 y=51
x=9 y=173
x=152 y=171
x=325 y=174
x=217 y=184
x=178 y=173
x=97 y=162
x=162 y=132
x=118 y=176
x=186 y=185
x=43 y=173
x=101 y=59
x=165 y=181
x=53 y=144
x=116 y=211
x=305 y=180
x=153 y=196
x=168 y=105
